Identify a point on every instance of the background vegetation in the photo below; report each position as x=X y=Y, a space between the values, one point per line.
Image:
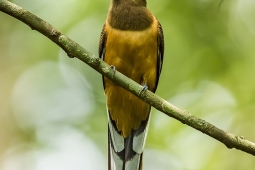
x=52 y=108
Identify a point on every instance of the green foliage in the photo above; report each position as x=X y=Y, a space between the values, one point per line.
x=52 y=108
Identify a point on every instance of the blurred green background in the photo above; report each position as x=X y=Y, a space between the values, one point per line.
x=52 y=108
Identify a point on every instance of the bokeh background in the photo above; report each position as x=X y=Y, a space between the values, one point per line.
x=52 y=108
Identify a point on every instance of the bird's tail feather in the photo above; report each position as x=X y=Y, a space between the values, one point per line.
x=126 y=153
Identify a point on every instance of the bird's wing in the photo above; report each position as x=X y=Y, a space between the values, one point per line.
x=102 y=42
x=101 y=47
x=160 y=52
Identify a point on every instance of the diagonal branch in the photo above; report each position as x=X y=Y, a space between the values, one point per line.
x=75 y=50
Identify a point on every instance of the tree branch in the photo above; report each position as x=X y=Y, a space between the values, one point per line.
x=75 y=50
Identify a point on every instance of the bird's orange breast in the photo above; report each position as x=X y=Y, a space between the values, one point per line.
x=133 y=53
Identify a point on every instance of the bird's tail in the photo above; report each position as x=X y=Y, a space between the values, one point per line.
x=126 y=153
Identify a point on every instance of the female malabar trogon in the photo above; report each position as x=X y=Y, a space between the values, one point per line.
x=132 y=42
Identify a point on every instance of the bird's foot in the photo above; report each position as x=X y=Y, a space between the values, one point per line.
x=143 y=89
x=113 y=68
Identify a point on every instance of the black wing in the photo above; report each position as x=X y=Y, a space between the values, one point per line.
x=160 y=51
x=101 y=48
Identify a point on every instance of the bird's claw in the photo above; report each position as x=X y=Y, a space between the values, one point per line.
x=143 y=89
x=113 y=68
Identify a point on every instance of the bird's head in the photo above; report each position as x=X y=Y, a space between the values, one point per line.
x=131 y=2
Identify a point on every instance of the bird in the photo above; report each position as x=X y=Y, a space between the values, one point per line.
x=131 y=42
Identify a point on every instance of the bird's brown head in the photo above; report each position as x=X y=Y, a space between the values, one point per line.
x=130 y=2
x=129 y=15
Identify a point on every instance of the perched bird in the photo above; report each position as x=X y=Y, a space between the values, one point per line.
x=132 y=42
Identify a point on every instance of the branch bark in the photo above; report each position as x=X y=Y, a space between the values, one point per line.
x=75 y=50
